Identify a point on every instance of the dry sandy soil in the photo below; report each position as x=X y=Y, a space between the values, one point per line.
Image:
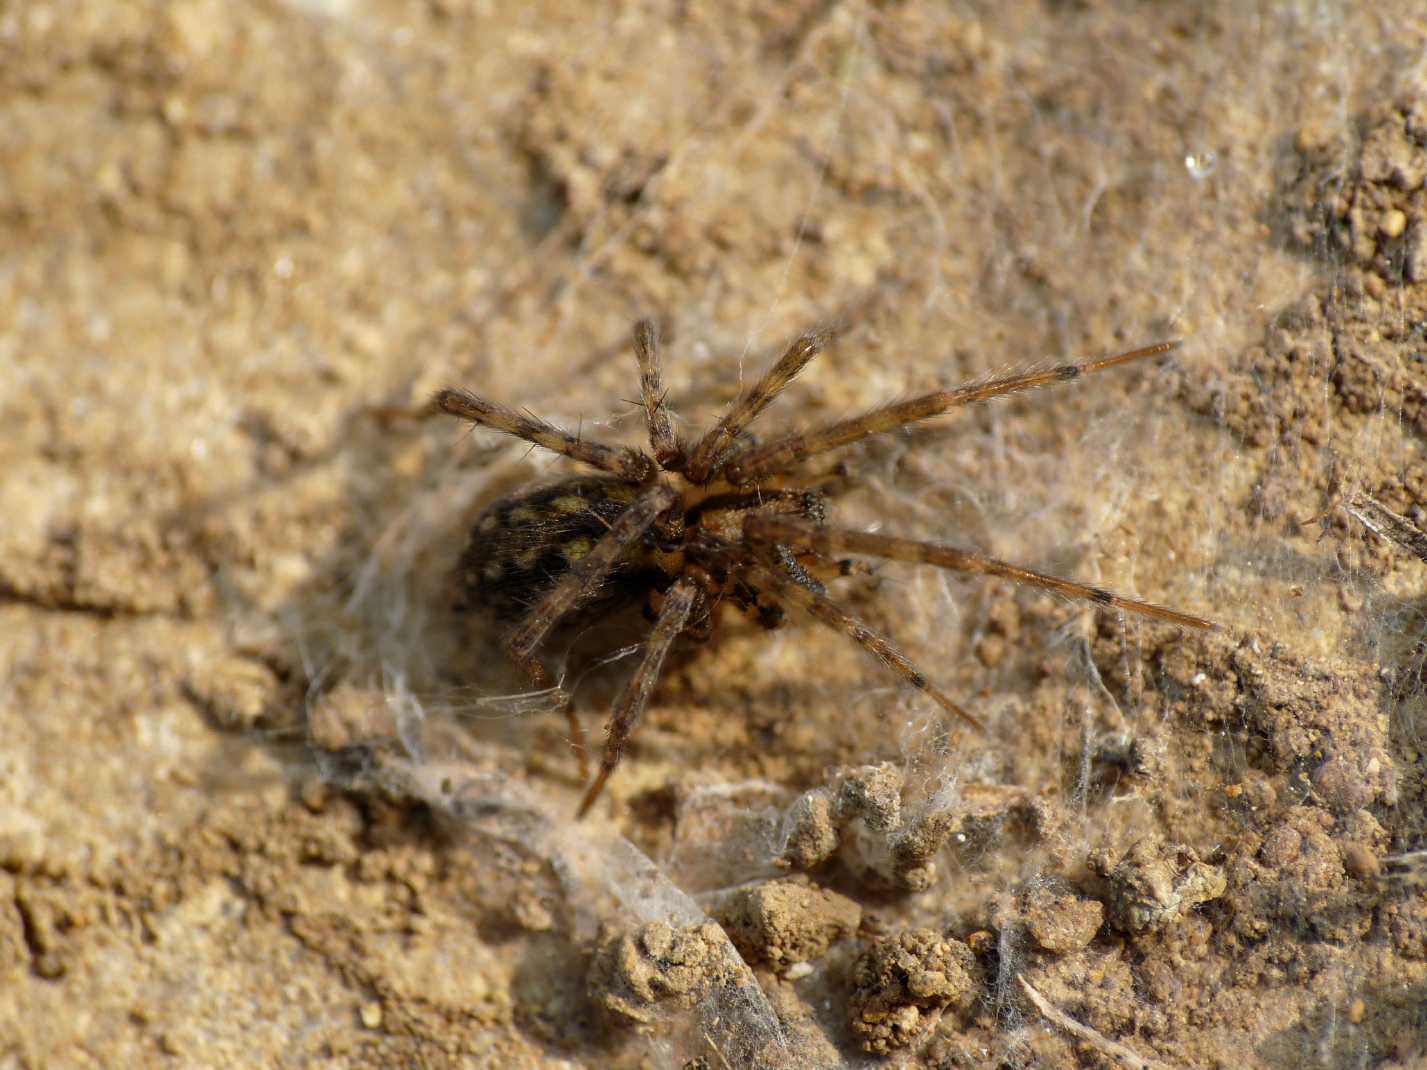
x=268 y=799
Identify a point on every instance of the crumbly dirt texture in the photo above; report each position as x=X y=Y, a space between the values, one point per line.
x=636 y=972
x=787 y=922
x=902 y=986
x=267 y=798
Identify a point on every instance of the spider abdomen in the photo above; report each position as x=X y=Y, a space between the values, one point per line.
x=522 y=544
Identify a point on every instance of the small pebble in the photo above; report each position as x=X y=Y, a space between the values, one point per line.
x=532 y=915
x=1360 y=862
x=1281 y=847
x=1392 y=223
x=314 y=794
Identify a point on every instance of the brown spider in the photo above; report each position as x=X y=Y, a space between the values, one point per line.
x=691 y=526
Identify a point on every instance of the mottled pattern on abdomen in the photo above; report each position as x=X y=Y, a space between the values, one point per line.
x=520 y=546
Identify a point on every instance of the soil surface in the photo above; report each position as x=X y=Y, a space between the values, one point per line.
x=270 y=797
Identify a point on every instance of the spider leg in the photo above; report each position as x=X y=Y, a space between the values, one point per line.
x=651 y=386
x=779 y=454
x=823 y=568
x=785 y=531
x=621 y=461
x=807 y=568
x=794 y=569
x=624 y=718
x=540 y=680
x=805 y=503
x=585 y=574
x=834 y=616
x=706 y=455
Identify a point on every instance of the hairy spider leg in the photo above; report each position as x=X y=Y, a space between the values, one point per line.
x=624 y=717
x=834 y=616
x=823 y=568
x=651 y=386
x=787 y=531
x=789 y=450
x=750 y=403
x=540 y=680
x=626 y=463
x=586 y=573
x=811 y=504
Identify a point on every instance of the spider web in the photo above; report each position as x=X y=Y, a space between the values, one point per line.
x=242 y=238
x=1049 y=219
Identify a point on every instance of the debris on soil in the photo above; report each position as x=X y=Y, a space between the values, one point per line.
x=1113 y=1050
x=238 y=693
x=815 y=823
x=903 y=984
x=1354 y=199
x=1318 y=726
x=873 y=793
x=1377 y=218
x=787 y=921
x=729 y=834
x=1003 y=631
x=350 y=716
x=1154 y=886
x=915 y=847
x=811 y=832
x=640 y=976
x=983 y=813
x=1381 y=520
x=1060 y=921
x=1299 y=877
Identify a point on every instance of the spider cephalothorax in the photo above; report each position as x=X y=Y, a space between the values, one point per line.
x=686 y=527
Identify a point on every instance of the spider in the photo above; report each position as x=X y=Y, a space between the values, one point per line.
x=686 y=527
